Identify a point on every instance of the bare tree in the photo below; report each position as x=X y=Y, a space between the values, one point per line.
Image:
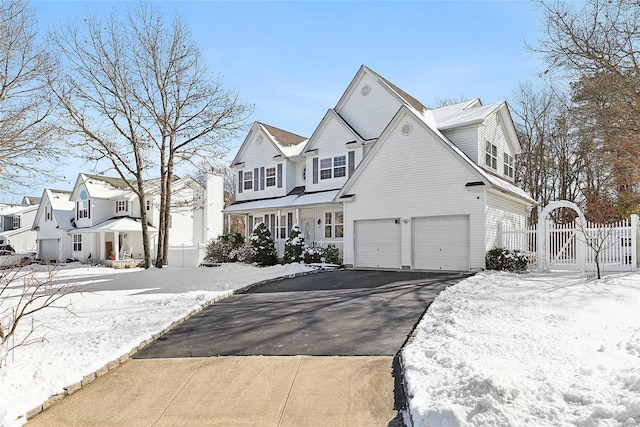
x=27 y=134
x=24 y=292
x=96 y=96
x=596 y=44
x=154 y=97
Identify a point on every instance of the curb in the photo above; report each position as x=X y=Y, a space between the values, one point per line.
x=88 y=379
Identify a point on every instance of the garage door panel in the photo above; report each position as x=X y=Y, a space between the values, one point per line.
x=377 y=244
x=48 y=249
x=441 y=243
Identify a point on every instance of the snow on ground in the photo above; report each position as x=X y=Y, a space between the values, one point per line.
x=502 y=349
x=117 y=310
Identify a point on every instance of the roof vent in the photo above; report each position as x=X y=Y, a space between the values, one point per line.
x=366 y=89
x=259 y=139
x=406 y=129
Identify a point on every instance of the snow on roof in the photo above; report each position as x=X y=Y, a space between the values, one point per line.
x=285 y=201
x=104 y=187
x=11 y=209
x=123 y=224
x=463 y=117
x=289 y=143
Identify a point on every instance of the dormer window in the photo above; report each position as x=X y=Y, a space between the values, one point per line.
x=491 y=156
x=271 y=177
x=48 y=212
x=82 y=207
x=508 y=165
x=16 y=222
x=122 y=206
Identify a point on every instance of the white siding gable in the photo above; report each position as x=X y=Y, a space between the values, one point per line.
x=411 y=174
x=258 y=153
x=368 y=106
x=494 y=131
x=330 y=142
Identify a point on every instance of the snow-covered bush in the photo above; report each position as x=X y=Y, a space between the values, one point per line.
x=294 y=246
x=224 y=247
x=312 y=255
x=263 y=246
x=506 y=259
x=331 y=254
x=243 y=253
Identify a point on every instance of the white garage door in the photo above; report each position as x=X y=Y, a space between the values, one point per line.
x=48 y=249
x=441 y=243
x=377 y=243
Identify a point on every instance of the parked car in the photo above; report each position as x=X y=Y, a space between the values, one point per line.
x=10 y=258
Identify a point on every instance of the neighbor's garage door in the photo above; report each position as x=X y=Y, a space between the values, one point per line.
x=377 y=243
x=48 y=249
x=441 y=243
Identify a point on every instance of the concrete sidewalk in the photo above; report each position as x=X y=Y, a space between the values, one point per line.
x=234 y=391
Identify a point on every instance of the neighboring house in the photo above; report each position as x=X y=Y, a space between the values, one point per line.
x=391 y=183
x=15 y=224
x=100 y=218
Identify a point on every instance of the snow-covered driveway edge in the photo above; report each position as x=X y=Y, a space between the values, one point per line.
x=92 y=376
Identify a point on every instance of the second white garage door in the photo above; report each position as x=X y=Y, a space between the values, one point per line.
x=377 y=243
x=441 y=243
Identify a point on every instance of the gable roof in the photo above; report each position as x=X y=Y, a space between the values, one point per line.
x=428 y=123
x=61 y=205
x=287 y=143
x=331 y=113
x=404 y=96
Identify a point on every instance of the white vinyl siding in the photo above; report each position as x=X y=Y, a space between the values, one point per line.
x=416 y=176
x=441 y=243
x=494 y=131
x=466 y=139
x=506 y=211
x=377 y=243
x=369 y=115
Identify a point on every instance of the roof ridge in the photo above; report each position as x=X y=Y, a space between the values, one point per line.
x=283 y=137
x=404 y=95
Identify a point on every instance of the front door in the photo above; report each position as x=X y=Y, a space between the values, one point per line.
x=108 y=248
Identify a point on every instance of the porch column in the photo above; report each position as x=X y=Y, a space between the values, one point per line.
x=278 y=225
x=246 y=227
x=298 y=217
x=116 y=244
x=228 y=223
x=101 y=246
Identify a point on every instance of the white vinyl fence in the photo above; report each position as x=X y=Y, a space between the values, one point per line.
x=575 y=246
x=187 y=256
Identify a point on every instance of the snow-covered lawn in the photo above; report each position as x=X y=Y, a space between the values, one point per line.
x=502 y=349
x=119 y=310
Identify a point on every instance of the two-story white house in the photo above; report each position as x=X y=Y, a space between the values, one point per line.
x=15 y=224
x=100 y=218
x=391 y=183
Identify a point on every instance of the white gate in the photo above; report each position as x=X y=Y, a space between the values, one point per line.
x=576 y=246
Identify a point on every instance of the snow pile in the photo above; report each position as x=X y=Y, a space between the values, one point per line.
x=117 y=310
x=501 y=349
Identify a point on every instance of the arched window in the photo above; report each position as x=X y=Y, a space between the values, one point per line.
x=83 y=205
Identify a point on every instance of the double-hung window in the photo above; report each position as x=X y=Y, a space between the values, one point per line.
x=77 y=242
x=248 y=180
x=508 y=165
x=83 y=205
x=122 y=206
x=16 y=222
x=491 y=156
x=271 y=177
x=333 y=224
x=333 y=167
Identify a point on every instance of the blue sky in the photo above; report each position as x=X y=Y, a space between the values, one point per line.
x=293 y=60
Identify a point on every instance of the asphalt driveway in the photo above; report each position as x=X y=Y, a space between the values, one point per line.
x=339 y=313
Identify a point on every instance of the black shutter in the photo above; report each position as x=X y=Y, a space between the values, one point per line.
x=262 y=178
x=352 y=161
x=315 y=170
x=256 y=179
x=240 y=182
x=279 y=175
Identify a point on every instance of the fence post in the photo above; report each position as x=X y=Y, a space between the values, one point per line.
x=581 y=245
x=634 y=242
